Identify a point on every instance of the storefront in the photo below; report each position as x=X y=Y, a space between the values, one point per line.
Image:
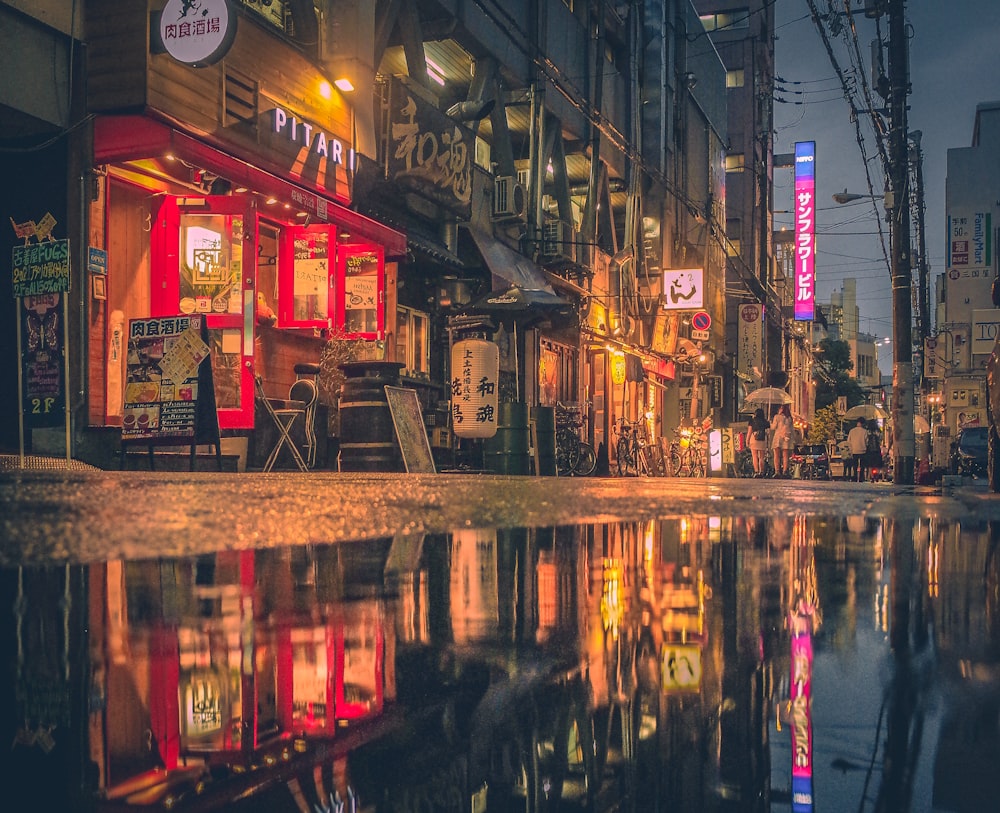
x=275 y=267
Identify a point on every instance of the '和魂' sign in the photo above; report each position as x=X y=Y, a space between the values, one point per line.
x=805 y=230
x=42 y=268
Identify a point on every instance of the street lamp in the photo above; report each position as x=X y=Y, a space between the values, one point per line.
x=850 y=197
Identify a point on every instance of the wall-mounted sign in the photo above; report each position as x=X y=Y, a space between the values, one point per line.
x=97 y=260
x=429 y=152
x=805 y=230
x=304 y=134
x=683 y=288
x=197 y=32
x=42 y=268
x=749 y=337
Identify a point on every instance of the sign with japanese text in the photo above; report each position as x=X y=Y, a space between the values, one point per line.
x=970 y=240
x=429 y=152
x=750 y=338
x=805 y=230
x=475 y=369
x=41 y=268
x=43 y=360
x=197 y=32
x=162 y=383
x=683 y=288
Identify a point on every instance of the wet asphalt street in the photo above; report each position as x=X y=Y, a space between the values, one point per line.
x=82 y=515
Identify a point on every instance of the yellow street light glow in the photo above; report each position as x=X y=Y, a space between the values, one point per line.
x=325 y=90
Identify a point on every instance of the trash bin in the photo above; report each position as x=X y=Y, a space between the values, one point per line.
x=507 y=451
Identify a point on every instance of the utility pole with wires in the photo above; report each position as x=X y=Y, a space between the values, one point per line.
x=904 y=446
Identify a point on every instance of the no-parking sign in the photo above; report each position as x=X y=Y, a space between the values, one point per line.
x=701 y=321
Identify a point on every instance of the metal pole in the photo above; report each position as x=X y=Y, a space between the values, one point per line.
x=904 y=446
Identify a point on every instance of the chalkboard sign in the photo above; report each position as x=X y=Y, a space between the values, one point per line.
x=169 y=393
x=410 y=430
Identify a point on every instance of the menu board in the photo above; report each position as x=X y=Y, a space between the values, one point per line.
x=404 y=406
x=167 y=389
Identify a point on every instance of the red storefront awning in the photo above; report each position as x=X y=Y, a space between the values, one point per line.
x=129 y=138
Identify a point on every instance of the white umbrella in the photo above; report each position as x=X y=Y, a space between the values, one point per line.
x=867 y=411
x=765 y=397
x=920 y=425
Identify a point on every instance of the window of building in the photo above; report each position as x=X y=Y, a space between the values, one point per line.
x=557 y=366
x=734 y=79
x=412 y=340
x=733 y=247
x=735 y=163
x=729 y=20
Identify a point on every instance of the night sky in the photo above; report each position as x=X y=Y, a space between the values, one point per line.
x=954 y=65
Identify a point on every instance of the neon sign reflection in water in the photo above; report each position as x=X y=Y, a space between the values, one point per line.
x=801 y=714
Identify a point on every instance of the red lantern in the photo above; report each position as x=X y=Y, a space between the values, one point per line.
x=475 y=370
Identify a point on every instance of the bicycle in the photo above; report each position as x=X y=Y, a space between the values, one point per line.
x=630 y=449
x=687 y=454
x=574 y=457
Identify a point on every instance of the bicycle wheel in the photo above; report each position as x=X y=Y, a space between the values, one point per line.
x=568 y=457
x=587 y=461
x=676 y=461
x=623 y=452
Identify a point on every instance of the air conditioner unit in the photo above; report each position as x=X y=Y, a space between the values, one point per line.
x=558 y=241
x=509 y=199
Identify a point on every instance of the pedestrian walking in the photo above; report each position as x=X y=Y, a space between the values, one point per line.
x=757 y=428
x=782 y=440
x=857 y=442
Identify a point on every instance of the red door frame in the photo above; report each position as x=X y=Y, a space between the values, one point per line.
x=165 y=284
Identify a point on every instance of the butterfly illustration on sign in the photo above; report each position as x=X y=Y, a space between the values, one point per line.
x=43 y=330
x=683 y=289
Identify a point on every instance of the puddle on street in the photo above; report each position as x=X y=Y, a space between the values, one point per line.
x=738 y=664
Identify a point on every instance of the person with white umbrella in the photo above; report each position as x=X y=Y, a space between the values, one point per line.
x=857 y=442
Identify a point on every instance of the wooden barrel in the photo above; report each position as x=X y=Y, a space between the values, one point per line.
x=367 y=434
x=544 y=418
x=507 y=451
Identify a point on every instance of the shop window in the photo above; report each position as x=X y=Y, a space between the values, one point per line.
x=412 y=340
x=557 y=368
x=326 y=284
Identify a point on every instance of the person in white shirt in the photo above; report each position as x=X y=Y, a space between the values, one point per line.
x=782 y=440
x=857 y=441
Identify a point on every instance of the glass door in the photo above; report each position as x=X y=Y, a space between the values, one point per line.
x=204 y=262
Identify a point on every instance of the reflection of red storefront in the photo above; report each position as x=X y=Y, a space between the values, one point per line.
x=226 y=684
x=191 y=229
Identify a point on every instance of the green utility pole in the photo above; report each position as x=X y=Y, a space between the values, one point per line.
x=904 y=446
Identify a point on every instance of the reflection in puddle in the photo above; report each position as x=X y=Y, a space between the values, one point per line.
x=699 y=664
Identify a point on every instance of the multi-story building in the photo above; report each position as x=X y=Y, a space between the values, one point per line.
x=742 y=31
x=293 y=172
x=967 y=323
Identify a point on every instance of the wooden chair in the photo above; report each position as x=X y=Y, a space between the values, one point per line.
x=284 y=419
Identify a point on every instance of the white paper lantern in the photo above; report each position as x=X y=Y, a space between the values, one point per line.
x=475 y=370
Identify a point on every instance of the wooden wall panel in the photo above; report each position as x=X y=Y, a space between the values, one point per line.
x=117 y=37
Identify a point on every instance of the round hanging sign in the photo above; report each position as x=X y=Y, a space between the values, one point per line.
x=701 y=321
x=197 y=32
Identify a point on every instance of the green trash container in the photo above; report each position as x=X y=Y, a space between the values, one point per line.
x=507 y=452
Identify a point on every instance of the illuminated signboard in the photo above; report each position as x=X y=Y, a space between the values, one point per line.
x=197 y=32
x=801 y=717
x=805 y=230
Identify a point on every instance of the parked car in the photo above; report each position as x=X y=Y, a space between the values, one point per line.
x=971 y=452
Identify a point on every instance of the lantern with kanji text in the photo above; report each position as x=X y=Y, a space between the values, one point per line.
x=475 y=370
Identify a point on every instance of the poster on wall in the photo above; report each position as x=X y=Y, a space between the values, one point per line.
x=43 y=360
x=165 y=382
